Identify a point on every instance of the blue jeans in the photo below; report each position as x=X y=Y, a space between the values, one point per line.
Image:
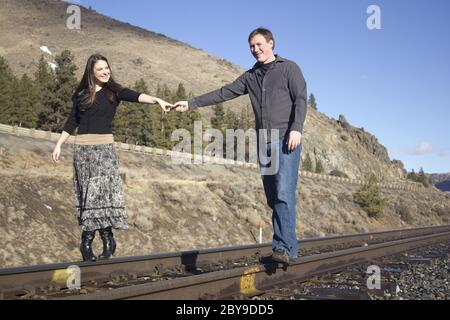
x=280 y=188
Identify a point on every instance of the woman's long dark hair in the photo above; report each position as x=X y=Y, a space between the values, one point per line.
x=85 y=92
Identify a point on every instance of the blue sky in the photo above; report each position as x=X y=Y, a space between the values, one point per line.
x=394 y=82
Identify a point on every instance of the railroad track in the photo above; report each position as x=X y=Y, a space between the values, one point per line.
x=422 y=273
x=232 y=272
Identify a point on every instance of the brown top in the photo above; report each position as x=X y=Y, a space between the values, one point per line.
x=92 y=139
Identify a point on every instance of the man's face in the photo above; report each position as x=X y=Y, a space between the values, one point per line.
x=260 y=48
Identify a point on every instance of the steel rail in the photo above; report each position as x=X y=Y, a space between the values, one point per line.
x=18 y=278
x=249 y=281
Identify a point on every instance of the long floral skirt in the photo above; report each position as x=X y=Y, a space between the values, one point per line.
x=99 y=200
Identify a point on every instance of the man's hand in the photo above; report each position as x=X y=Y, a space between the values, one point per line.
x=295 y=138
x=181 y=106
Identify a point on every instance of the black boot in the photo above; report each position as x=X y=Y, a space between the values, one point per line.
x=109 y=244
x=86 y=246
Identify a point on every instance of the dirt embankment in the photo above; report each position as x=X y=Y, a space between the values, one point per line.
x=174 y=207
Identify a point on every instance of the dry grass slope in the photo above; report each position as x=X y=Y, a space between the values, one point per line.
x=136 y=53
x=174 y=207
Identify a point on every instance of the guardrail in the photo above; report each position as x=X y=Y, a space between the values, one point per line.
x=51 y=136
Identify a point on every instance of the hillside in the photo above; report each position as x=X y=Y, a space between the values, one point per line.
x=136 y=53
x=133 y=52
x=175 y=207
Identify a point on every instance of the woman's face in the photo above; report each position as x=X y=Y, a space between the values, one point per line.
x=101 y=72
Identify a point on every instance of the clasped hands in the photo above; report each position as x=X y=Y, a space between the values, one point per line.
x=180 y=106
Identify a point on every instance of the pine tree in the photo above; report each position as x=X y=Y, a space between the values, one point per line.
x=149 y=116
x=419 y=177
x=60 y=101
x=167 y=121
x=141 y=86
x=44 y=82
x=247 y=120
x=127 y=121
x=7 y=83
x=369 y=197
x=12 y=114
x=17 y=98
x=312 y=101
x=422 y=178
x=319 y=167
x=182 y=120
x=307 y=164
x=412 y=176
x=218 y=120
x=193 y=116
x=159 y=90
x=231 y=120
x=149 y=124
x=24 y=103
x=43 y=75
x=180 y=95
x=135 y=123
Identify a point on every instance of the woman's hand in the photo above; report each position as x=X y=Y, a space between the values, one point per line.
x=56 y=153
x=164 y=105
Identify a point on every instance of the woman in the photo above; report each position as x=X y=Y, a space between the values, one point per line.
x=98 y=187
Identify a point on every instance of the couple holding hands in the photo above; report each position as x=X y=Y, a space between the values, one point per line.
x=277 y=91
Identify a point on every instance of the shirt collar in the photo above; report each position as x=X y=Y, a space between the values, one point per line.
x=277 y=59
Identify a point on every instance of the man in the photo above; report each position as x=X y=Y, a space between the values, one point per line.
x=277 y=92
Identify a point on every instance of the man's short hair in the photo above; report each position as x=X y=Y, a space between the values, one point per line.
x=266 y=33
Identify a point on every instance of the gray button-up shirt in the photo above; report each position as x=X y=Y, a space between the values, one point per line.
x=279 y=102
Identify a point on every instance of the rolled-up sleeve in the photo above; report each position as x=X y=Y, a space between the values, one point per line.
x=298 y=91
x=73 y=121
